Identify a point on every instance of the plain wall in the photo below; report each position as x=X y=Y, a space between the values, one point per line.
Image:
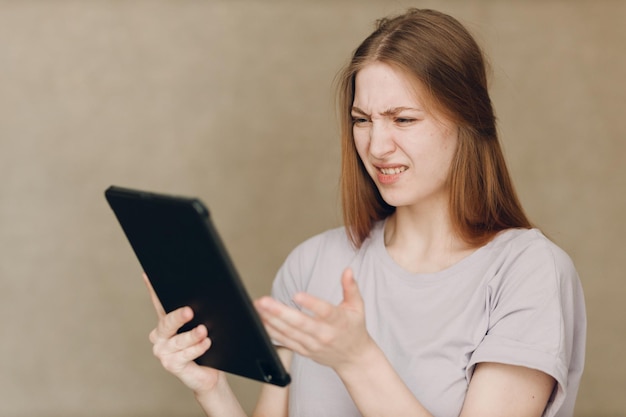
x=232 y=101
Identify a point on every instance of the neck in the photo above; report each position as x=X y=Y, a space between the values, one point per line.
x=423 y=241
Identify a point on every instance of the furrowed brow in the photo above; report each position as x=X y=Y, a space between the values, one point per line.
x=392 y=112
x=396 y=110
x=359 y=111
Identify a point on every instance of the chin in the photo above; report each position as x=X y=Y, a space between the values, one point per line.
x=402 y=199
x=396 y=201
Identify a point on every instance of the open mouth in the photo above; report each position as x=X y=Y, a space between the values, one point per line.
x=392 y=171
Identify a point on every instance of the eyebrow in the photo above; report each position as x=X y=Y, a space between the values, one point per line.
x=389 y=112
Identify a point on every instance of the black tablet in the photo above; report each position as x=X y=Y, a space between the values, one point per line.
x=186 y=262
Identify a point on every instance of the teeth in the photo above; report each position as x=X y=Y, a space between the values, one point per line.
x=392 y=171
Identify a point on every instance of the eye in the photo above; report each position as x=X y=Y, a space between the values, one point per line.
x=405 y=120
x=359 y=120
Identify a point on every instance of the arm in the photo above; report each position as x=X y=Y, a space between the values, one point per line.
x=273 y=400
x=336 y=336
x=515 y=391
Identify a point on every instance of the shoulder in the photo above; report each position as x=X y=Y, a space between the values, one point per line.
x=531 y=250
x=321 y=255
x=330 y=240
x=529 y=271
x=334 y=246
x=532 y=273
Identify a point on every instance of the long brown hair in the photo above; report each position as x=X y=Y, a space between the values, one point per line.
x=440 y=54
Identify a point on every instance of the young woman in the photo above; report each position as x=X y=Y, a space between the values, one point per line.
x=437 y=298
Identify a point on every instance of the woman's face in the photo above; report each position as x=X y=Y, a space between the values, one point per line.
x=406 y=149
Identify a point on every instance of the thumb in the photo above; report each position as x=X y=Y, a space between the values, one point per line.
x=351 y=294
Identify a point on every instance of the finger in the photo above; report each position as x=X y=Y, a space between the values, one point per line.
x=169 y=324
x=284 y=337
x=194 y=351
x=182 y=349
x=180 y=342
x=318 y=307
x=351 y=294
x=290 y=337
x=274 y=310
x=190 y=338
x=285 y=324
x=155 y=300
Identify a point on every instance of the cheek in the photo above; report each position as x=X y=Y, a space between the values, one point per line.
x=447 y=142
x=450 y=148
x=446 y=158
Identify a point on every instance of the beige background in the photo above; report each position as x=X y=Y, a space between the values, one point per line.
x=232 y=101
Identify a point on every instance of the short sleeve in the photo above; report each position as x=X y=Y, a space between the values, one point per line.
x=536 y=316
x=288 y=280
x=305 y=260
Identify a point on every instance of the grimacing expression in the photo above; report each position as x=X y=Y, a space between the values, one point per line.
x=405 y=146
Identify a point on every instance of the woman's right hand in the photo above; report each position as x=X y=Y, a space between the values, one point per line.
x=178 y=351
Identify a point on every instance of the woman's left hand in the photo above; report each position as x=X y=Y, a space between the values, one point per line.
x=331 y=335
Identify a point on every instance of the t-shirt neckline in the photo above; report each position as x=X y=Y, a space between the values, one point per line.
x=378 y=245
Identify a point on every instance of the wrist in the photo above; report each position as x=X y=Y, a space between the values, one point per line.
x=369 y=377
x=208 y=388
x=218 y=399
x=361 y=360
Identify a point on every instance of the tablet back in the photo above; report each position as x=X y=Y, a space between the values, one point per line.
x=181 y=252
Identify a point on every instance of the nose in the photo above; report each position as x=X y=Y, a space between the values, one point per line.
x=381 y=140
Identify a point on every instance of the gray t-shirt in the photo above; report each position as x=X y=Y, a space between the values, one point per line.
x=516 y=300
